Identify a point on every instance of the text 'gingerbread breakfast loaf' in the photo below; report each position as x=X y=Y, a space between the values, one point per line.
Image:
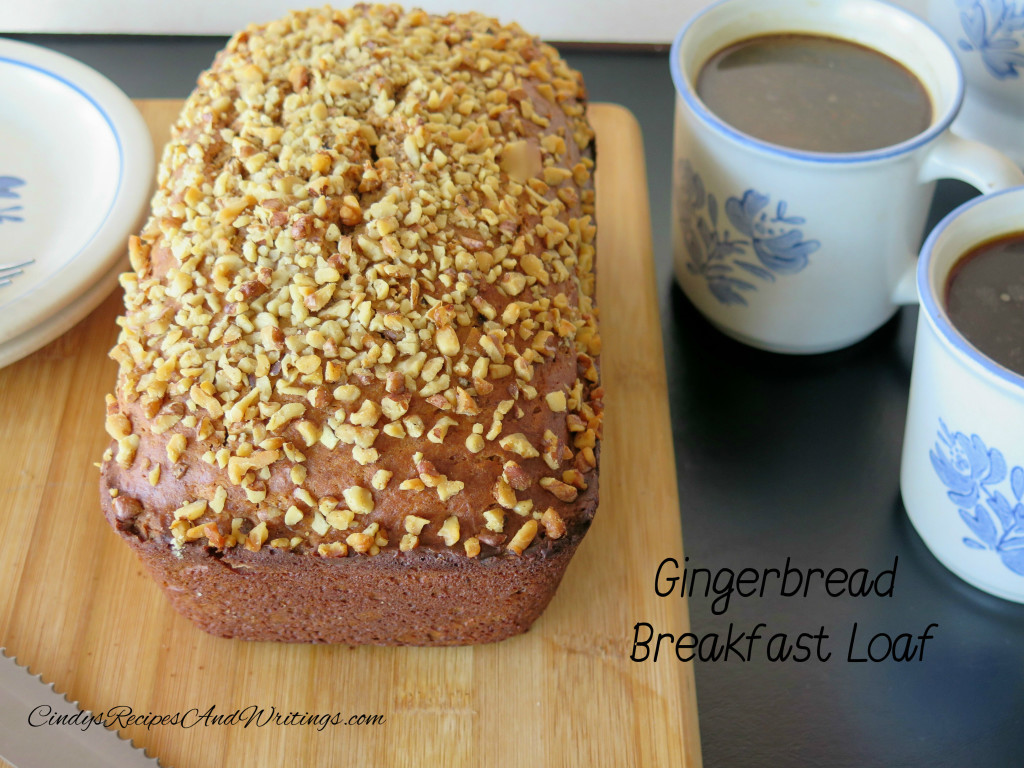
x=358 y=397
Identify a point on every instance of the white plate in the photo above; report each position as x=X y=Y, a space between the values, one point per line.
x=76 y=165
x=43 y=333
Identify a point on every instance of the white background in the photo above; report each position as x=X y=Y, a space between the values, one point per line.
x=635 y=21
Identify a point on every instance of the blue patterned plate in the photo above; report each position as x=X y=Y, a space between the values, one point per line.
x=76 y=165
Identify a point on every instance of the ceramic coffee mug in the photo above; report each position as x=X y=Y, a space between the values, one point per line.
x=988 y=38
x=962 y=475
x=806 y=252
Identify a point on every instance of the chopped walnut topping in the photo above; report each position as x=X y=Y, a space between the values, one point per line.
x=220 y=496
x=191 y=511
x=556 y=401
x=205 y=400
x=293 y=516
x=414 y=524
x=448 y=488
x=359 y=500
x=515 y=476
x=287 y=413
x=554 y=527
x=495 y=520
x=332 y=549
x=518 y=443
x=558 y=489
x=118 y=426
x=449 y=531
x=524 y=536
x=176 y=447
x=364 y=249
x=504 y=494
x=125 y=507
x=360 y=542
x=380 y=480
x=126 y=448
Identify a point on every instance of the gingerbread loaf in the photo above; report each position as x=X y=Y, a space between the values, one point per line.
x=358 y=397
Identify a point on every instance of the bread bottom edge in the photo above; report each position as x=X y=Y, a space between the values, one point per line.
x=418 y=598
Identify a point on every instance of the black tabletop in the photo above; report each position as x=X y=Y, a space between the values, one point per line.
x=778 y=458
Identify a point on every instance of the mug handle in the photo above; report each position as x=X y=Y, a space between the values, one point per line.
x=954 y=157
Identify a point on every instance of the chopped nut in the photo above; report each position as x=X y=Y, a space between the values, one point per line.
x=515 y=476
x=447 y=342
x=359 y=500
x=504 y=494
x=524 y=536
x=472 y=545
x=332 y=549
x=284 y=415
x=449 y=531
x=220 y=496
x=448 y=488
x=409 y=542
x=495 y=520
x=380 y=480
x=553 y=525
x=556 y=401
x=125 y=507
x=293 y=516
x=206 y=401
x=118 y=426
x=367 y=415
x=176 y=447
x=395 y=406
x=191 y=511
x=360 y=542
x=126 y=448
x=558 y=489
x=340 y=519
x=518 y=443
x=440 y=429
x=414 y=524
x=347 y=393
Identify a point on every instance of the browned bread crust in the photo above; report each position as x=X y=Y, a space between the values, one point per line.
x=358 y=396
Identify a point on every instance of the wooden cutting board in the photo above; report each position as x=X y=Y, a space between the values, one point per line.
x=76 y=606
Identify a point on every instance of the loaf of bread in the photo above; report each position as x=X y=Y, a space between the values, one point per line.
x=358 y=398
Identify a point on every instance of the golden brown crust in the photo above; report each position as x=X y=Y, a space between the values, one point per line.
x=361 y=315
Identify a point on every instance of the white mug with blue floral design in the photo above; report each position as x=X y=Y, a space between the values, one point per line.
x=988 y=38
x=962 y=474
x=805 y=252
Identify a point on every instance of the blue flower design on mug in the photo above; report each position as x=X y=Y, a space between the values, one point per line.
x=769 y=245
x=995 y=29
x=8 y=185
x=971 y=471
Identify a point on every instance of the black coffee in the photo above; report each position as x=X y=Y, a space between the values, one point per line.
x=814 y=93
x=985 y=299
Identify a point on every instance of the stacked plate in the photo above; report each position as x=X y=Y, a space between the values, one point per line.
x=76 y=165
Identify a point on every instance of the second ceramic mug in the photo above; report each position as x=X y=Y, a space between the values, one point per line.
x=806 y=252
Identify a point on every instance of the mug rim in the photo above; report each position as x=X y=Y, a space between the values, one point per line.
x=936 y=313
x=697 y=106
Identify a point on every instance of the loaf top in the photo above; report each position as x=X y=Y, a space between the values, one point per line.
x=361 y=314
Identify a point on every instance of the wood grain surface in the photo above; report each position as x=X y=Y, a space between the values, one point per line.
x=76 y=606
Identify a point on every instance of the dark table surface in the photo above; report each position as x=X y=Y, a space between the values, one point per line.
x=777 y=457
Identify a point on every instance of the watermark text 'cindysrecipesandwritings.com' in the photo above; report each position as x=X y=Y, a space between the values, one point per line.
x=253 y=715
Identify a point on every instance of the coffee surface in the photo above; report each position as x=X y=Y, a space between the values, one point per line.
x=985 y=299
x=814 y=93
